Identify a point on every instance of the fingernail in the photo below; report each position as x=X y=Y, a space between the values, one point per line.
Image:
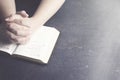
x=23 y=11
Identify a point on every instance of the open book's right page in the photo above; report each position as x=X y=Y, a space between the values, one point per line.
x=41 y=44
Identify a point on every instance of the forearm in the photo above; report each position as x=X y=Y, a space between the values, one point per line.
x=7 y=8
x=46 y=10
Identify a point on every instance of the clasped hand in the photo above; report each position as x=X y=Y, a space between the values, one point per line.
x=18 y=28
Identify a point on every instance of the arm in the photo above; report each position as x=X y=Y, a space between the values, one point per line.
x=7 y=8
x=46 y=10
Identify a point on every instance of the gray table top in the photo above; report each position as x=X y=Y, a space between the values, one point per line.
x=87 y=48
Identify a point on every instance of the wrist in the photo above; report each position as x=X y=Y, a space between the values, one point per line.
x=34 y=24
x=37 y=20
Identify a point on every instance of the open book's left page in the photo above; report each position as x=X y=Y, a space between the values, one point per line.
x=8 y=48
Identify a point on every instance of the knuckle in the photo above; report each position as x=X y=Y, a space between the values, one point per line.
x=17 y=40
x=22 y=22
x=10 y=25
x=10 y=35
x=16 y=33
x=14 y=39
x=22 y=41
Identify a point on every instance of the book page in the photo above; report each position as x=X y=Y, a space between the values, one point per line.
x=41 y=44
x=8 y=48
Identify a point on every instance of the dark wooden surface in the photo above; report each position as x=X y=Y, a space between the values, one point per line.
x=87 y=49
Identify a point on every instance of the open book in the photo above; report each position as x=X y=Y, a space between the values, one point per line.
x=38 y=49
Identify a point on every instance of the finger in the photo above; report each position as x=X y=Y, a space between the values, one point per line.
x=16 y=39
x=13 y=17
x=19 y=30
x=17 y=21
x=11 y=36
x=20 y=22
x=23 y=40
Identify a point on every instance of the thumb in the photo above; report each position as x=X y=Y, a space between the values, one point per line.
x=20 y=13
x=23 y=13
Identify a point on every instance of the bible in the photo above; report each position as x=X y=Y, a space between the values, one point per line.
x=38 y=49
